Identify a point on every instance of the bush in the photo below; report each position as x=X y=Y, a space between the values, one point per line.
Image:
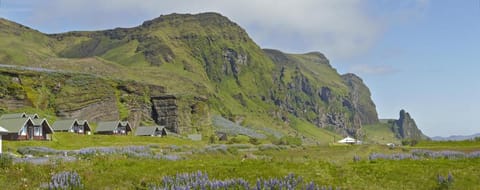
x=289 y=141
x=201 y=180
x=5 y=161
x=444 y=182
x=65 y=180
x=234 y=140
x=410 y=142
x=254 y=141
x=212 y=139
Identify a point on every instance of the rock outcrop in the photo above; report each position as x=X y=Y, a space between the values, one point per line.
x=360 y=100
x=307 y=86
x=165 y=112
x=406 y=128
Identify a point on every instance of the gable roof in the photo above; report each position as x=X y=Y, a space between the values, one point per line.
x=34 y=116
x=13 y=116
x=18 y=115
x=83 y=122
x=62 y=125
x=146 y=131
x=3 y=131
x=14 y=125
x=67 y=124
x=38 y=122
x=112 y=125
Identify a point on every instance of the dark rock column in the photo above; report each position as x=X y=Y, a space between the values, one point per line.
x=165 y=112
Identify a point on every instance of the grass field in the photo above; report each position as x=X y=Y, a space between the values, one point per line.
x=380 y=133
x=69 y=141
x=327 y=165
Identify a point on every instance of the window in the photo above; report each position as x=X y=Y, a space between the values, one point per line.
x=23 y=132
x=37 y=131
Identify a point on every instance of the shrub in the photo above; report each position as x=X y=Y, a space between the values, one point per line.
x=201 y=180
x=356 y=158
x=254 y=141
x=212 y=139
x=5 y=161
x=38 y=151
x=444 y=182
x=65 y=180
x=289 y=141
x=234 y=140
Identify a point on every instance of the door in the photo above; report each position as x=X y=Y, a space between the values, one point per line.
x=30 y=132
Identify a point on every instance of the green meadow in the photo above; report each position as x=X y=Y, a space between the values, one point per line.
x=328 y=165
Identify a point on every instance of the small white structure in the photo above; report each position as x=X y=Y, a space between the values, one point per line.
x=349 y=140
x=3 y=131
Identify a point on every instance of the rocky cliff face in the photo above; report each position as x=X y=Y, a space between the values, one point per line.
x=360 y=100
x=406 y=128
x=165 y=112
x=207 y=61
x=307 y=86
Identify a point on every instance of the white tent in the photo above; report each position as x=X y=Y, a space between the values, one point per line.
x=3 y=131
x=349 y=140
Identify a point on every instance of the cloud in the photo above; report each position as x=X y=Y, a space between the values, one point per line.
x=368 y=69
x=339 y=28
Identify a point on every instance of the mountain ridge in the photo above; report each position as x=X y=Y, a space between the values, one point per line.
x=207 y=61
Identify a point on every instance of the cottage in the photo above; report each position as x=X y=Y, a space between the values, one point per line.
x=113 y=128
x=3 y=131
x=26 y=129
x=73 y=126
x=156 y=131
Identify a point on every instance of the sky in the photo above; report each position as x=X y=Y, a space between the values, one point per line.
x=418 y=55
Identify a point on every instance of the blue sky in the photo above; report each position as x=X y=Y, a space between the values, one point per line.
x=418 y=55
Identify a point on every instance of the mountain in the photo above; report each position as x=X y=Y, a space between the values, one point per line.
x=179 y=70
x=456 y=137
x=405 y=127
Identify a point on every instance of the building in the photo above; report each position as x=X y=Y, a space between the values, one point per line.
x=26 y=129
x=113 y=128
x=156 y=131
x=73 y=126
x=3 y=131
x=349 y=140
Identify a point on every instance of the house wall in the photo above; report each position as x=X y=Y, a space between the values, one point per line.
x=11 y=136
x=16 y=136
x=105 y=133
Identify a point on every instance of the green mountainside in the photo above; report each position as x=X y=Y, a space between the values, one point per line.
x=206 y=62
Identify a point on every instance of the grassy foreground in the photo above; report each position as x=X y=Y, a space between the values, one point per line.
x=329 y=166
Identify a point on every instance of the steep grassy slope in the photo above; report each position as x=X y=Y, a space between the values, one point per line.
x=208 y=62
x=380 y=133
x=22 y=45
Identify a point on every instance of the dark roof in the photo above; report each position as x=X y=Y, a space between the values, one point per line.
x=14 y=125
x=112 y=125
x=147 y=131
x=63 y=125
x=83 y=122
x=18 y=115
x=13 y=116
